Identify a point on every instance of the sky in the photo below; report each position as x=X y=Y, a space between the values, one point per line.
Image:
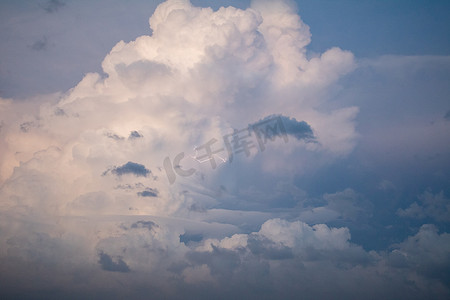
x=224 y=149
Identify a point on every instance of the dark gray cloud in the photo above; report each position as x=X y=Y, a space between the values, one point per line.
x=59 y=112
x=128 y=186
x=26 y=126
x=52 y=6
x=222 y=262
x=298 y=129
x=149 y=192
x=144 y=224
x=190 y=237
x=426 y=253
x=134 y=135
x=40 y=44
x=131 y=168
x=108 y=264
x=114 y=136
x=447 y=116
x=268 y=249
x=350 y=205
x=435 y=207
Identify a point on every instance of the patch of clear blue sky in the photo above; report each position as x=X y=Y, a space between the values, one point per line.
x=370 y=28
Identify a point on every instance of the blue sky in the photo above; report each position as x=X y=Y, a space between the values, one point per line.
x=329 y=124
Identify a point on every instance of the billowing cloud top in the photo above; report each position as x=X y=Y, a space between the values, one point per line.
x=150 y=175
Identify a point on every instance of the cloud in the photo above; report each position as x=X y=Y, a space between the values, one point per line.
x=186 y=238
x=299 y=130
x=144 y=224
x=131 y=168
x=432 y=206
x=26 y=126
x=134 y=135
x=148 y=192
x=447 y=115
x=40 y=45
x=240 y=230
x=425 y=253
x=52 y=6
x=345 y=206
x=107 y=263
x=302 y=252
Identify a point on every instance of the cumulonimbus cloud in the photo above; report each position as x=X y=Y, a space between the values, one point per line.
x=200 y=75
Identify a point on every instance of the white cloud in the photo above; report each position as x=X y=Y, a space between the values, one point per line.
x=72 y=181
x=198 y=74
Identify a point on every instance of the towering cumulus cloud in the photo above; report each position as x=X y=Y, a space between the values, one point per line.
x=169 y=175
